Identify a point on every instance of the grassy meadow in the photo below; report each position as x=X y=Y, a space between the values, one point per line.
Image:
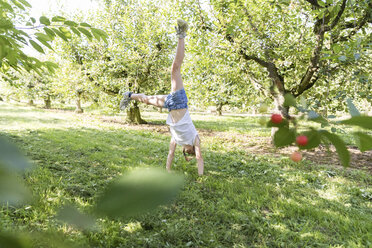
x=247 y=198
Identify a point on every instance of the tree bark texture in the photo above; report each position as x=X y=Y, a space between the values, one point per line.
x=134 y=115
x=78 y=103
x=47 y=102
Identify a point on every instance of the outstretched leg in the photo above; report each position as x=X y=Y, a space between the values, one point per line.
x=157 y=100
x=176 y=79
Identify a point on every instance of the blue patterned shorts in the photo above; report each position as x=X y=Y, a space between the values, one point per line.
x=176 y=100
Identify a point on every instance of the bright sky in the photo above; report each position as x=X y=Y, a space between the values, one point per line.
x=55 y=6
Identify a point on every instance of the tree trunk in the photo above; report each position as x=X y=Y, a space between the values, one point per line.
x=280 y=109
x=160 y=110
x=78 y=109
x=219 y=109
x=134 y=115
x=279 y=106
x=47 y=102
x=31 y=102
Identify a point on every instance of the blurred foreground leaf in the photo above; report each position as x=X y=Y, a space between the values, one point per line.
x=289 y=100
x=364 y=141
x=8 y=240
x=12 y=189
x=340 y=146
x=11 y=157
x=139 y=191
x=313 y=139
x=284 y=137
x=352 y=109
x=361 y=121
x=73 y=216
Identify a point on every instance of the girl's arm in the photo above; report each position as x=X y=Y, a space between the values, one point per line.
x=199 y=157
x=172 y=149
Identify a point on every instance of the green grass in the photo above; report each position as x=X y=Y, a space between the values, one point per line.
x=244 y=200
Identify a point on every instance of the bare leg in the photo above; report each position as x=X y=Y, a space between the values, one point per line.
x=176 y=78
x=157 y=101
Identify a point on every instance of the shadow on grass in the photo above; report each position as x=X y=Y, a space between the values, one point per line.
x=244 y=200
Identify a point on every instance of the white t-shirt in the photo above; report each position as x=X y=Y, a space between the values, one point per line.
x=183 y=131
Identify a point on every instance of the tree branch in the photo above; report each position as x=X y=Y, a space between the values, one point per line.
x=37 y=27
x=314 y=61
x=338 y=17
x=204 y=25
x=357 y=26
x=277 y=79
x=110 y=92
x=257 y=84
x=314 y=3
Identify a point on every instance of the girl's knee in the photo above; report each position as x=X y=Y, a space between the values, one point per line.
x=176 y=68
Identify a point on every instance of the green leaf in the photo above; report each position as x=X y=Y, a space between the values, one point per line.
x=7 y=6
x=49 y=32
x=74 y=30
x=321 y=3
x=361 y=121
x=36 y=46
x=284 y=137
x=43 y=36
x=95 y=34
x=71 y=23
x=45 y=43
x=315 y=117
x=11 y=157
x=25 y=3
x=60 y=34
x=342 y=58
x=352 y=109
x=289 y=100
x=284 y=123
x=51 y=66
x=44 y=20
x=83 y=24
x=74 y=217
x=86 y=33
x=20 y=6
x=66 y=32
x=313 y=137
x=336 y=48
x=138 y=192
x=357 y=56
x=58 y=19
x=100 y=32
x=14 y=240
x=340 y=146
x=364 y=141
x=12 y=189
x=303 y=102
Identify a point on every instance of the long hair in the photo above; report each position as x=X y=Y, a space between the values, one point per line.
x=192 y=153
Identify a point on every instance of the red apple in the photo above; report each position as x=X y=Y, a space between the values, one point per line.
x=296 y=156
x=302 y=140
x=276 y=118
